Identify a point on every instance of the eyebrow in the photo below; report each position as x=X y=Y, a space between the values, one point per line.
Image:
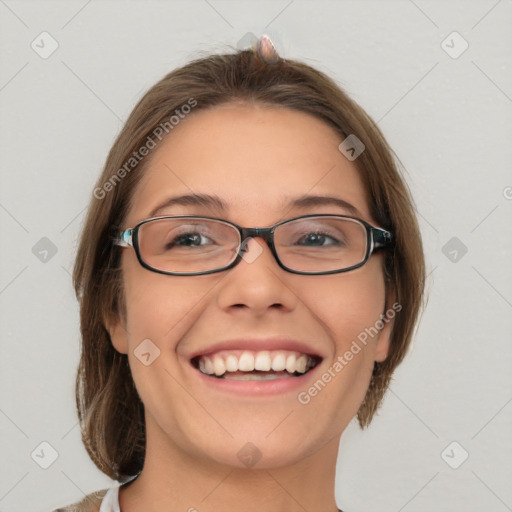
x=201 y=200
x=214 y=202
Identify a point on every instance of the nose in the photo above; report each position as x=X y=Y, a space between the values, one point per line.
x=257 y=283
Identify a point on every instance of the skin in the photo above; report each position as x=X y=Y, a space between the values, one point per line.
x=255 y=159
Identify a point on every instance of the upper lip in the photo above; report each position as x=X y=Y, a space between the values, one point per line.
x=259 y=344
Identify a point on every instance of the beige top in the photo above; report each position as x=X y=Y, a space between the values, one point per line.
x=106 y=500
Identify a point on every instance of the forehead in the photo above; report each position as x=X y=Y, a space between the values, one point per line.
x=255 y=159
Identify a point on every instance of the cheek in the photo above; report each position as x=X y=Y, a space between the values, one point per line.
x=157 y=304
x=161 y=310
x=347 y=304
x=342 y=307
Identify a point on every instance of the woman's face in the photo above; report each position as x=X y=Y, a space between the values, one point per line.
x=256 y=160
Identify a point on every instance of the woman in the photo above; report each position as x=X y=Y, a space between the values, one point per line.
x=221 y=363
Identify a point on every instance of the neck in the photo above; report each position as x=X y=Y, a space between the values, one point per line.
x=177 y=480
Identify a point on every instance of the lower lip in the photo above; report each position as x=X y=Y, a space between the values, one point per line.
x=258 y=387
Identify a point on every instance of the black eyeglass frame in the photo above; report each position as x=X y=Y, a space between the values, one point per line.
x=376 y=238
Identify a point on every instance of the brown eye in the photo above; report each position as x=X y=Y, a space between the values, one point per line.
x=190 y=239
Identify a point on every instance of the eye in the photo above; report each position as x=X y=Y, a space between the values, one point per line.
x=189 y=239
x=319 y=239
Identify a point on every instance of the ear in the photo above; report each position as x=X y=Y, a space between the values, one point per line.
x=116 y=327
x=384 y=341
x=388 y=321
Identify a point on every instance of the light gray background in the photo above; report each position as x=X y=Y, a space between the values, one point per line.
x=449 y=120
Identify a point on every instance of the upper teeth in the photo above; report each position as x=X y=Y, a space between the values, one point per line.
x=247 y=361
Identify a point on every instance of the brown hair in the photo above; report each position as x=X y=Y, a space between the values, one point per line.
x=110 y=411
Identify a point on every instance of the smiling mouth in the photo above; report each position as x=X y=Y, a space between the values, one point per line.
x=265 y=365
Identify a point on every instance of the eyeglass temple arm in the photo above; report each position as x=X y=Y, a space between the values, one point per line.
x=125 y=238
x=381 y=238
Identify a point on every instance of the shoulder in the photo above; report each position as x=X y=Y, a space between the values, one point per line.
x=91 y=503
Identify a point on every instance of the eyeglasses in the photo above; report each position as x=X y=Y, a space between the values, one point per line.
x=187 y=245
